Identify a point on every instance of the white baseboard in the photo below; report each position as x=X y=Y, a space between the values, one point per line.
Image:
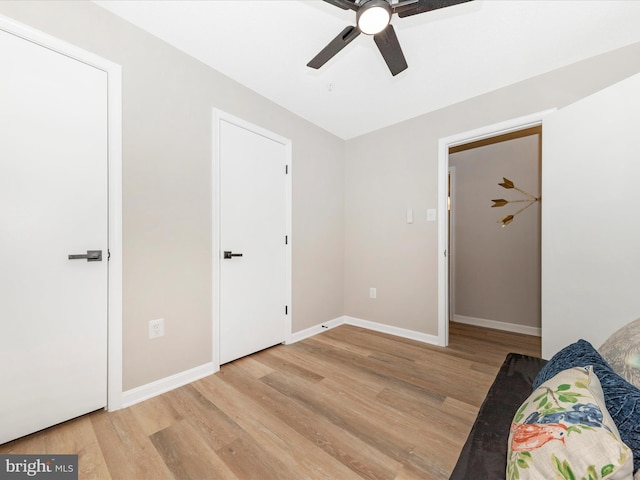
x=150 y=390
x=316 y=329
x=509 y=327
x=397 y=331
x=145 y=392
x=369 y=325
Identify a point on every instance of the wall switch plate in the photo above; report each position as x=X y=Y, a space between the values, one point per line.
x=372 y=292
x=409 y=215
x=431 y=215
x=156 y=328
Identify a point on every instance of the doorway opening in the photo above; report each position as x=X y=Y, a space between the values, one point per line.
x=494 y=250
x=486 y=136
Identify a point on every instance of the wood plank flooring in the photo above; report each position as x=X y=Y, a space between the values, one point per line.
x=346 y=404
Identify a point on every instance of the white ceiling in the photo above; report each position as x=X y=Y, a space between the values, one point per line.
x=453 y=54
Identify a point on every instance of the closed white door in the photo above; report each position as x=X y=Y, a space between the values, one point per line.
x=253 y=228
x=53 y=203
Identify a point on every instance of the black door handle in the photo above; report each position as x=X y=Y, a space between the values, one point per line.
x=229 y=254
x=91 y=256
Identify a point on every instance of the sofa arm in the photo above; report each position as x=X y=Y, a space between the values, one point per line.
x=484 y=454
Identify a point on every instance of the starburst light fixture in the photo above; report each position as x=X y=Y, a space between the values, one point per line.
x=501 y=202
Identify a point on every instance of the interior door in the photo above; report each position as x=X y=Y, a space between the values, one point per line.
x=53 y=203
x=253 y=228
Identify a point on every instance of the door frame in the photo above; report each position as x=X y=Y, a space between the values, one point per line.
x=216 y=181
x=519 y=123
x=114 y=162
x=451 y=268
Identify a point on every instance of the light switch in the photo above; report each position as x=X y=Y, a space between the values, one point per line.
x=431 y=215
x=409 y=215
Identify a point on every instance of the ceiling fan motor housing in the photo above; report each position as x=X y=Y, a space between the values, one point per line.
x=373 y=16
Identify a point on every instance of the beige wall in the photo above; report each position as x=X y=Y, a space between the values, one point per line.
x=496 y=269
x=168 y=99
x=349 y=198
x=394 y=168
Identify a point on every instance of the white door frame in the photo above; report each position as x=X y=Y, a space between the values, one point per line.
x=444 y=144
x=114 y=158
x=451 y=269
x=219 y=116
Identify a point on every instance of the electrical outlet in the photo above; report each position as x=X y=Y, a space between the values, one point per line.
x=372 y=292
x=156 y=328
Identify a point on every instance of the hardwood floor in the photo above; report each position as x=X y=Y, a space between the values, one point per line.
x=346 y=404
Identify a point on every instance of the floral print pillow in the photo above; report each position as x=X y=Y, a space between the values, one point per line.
x=563 y=431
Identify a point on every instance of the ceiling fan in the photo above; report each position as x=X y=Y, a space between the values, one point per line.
x=373 y=17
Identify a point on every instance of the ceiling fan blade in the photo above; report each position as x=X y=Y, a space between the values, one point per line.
x=422 y=6
x=389 y=47
x=344 y=4
x=327 y=53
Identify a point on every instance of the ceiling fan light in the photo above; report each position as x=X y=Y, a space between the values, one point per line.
x=373 y=16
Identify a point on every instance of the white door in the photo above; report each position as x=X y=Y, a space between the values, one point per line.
x=53 y=203
x=590 y=209
x=253 y=229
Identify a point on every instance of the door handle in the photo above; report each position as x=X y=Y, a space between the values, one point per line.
x=229 y=254
x=91 y=256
